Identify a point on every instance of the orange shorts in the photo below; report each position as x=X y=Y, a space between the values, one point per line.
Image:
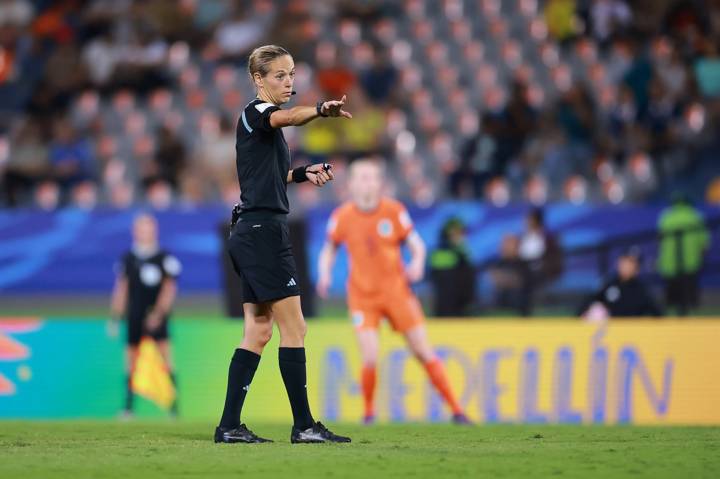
x=403 y=311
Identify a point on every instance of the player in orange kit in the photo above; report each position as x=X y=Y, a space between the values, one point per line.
x=374 y=228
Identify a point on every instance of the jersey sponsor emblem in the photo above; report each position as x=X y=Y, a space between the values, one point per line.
x=358 y=318
x=261 y=107
x=150 y=274
x=385 y=228
x=291 y=282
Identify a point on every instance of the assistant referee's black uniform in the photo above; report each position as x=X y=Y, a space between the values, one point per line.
x=259 y=243
x=145 y=275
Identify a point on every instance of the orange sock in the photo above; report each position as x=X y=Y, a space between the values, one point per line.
x=437 y=375
x=369 y=378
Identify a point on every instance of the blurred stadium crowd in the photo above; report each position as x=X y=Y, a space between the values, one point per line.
x=135 y=101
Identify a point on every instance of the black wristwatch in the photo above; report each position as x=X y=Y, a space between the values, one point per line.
x=318 y=107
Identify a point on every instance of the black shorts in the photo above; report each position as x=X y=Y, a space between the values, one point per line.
x=261 y=254
x=136 y=330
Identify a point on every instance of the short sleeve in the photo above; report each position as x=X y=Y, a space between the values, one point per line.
x=404 y=222
x=120 y=268
x=171 y=266
x=334 y=228
x=256 y=116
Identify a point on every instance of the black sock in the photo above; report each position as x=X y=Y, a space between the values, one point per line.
x=242 y=369
x=128 y=393
x=174 y=405
x=292 y=368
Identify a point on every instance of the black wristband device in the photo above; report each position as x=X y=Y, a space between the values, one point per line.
x=318 y=107
x=299 y=175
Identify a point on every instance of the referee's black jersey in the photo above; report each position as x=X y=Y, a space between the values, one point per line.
x=263 y=160
x=145 y=275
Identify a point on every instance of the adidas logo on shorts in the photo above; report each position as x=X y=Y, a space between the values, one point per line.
x=291 y=282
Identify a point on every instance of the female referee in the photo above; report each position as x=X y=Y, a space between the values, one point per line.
x=259 y=245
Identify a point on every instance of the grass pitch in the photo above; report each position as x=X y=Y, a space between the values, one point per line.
x=140 y=449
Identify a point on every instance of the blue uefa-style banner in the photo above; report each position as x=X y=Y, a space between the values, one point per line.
x=74 y=250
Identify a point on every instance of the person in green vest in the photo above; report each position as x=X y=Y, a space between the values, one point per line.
x=684 y=241
x=452 y=273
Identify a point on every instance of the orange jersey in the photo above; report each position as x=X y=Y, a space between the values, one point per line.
x=373 y=240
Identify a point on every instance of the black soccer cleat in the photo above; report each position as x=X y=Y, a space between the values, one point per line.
x=315 y=434
x=238 y=434
x=461 y=420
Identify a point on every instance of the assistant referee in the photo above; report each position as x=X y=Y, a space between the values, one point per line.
x=259 y=245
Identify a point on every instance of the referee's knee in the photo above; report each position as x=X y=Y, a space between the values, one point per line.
x=256 y=338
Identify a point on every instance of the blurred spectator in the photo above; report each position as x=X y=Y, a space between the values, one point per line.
x=159 y=194
x=334 y=78
x=380 y=79
x=16 y=12
x=101 y=56
x=450 y=267
x=639 y=73
x=207 y=14
x=64 y=75
x=623 y=114
x=658 y=117
x=640 y=177
x=47 y=196
x=609 y=17
x=216 y=154
x=707 y=71
x=141 y=64
x=172 y=20
x=237 y=35
x=624 y=295
x=510 y=276
x=27 y=164
x=673 y=73
x=319 y=140
x=561 y=18
x=365 y=134
x=170 y=157
x=518 y=122
x=543 y=255
x=684 y=243
x=102 y=16
x=486 y=154
x=84 y=195
x=71 y=156
x=575 y=114
x=121 y=195
x=712 y=195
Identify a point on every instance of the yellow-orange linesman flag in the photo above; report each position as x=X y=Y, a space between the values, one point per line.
x=151 y=379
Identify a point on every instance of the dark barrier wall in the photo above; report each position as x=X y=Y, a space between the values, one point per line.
x=74 y=250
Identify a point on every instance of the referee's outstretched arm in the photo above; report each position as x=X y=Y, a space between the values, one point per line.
x=317 y=174
x=300 y=115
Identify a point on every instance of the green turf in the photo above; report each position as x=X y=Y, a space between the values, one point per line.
x=142 y=449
